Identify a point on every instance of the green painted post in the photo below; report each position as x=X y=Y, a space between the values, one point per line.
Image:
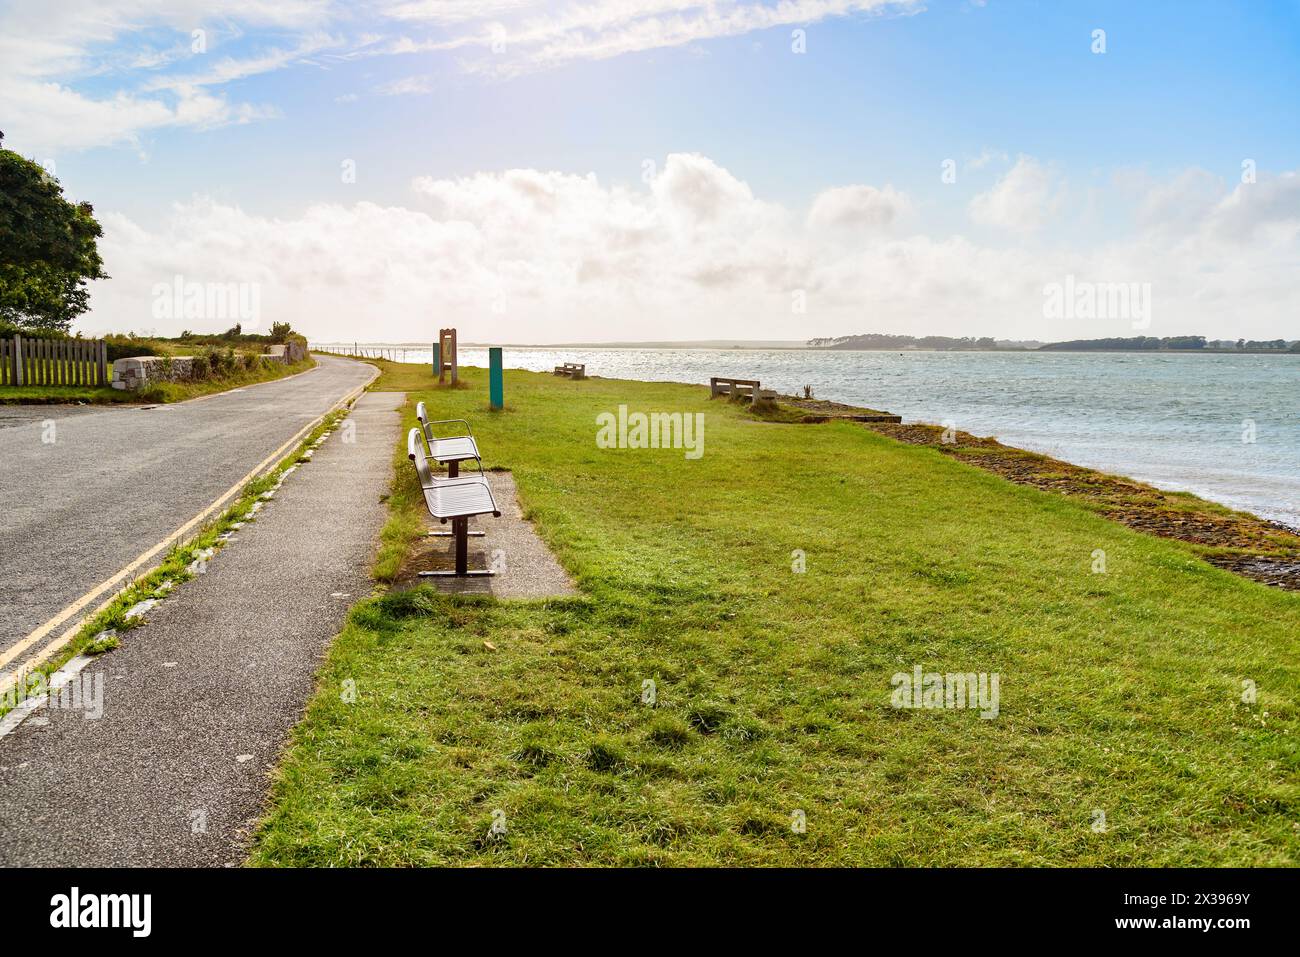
x=437 y=358
x=496 y=385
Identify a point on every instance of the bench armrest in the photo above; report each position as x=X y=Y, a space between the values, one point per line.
x=468 y=430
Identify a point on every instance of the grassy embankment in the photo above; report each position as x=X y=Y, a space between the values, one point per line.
x=1121 y=692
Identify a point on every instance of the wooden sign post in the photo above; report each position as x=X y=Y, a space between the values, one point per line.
x=446 y=357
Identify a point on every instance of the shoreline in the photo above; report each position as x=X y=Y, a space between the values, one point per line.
x=715 y=346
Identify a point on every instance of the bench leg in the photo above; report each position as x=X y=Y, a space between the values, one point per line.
x=460 y=527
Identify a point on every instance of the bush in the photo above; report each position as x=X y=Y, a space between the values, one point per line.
x=201 y=368
x=128 y=347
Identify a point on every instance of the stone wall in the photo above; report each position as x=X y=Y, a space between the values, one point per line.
x=288 y=353
x=137 y=372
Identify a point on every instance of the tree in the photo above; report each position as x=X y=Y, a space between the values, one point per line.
x=47 y=248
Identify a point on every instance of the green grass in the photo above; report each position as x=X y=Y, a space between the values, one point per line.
x=63 y=395
x=1120 y=692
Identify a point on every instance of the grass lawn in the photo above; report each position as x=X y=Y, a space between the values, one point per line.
x=1121 y=693
x=63 y=395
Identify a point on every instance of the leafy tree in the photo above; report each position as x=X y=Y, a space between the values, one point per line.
x=280 y=332
x=47 y=248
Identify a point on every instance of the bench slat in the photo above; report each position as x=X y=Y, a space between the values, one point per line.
x=459 y=498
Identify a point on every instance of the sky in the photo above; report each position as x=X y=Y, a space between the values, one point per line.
x=610 y=170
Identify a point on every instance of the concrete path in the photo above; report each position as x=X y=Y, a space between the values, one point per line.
x=198 y=702
x=525 y=567
x=83 y=493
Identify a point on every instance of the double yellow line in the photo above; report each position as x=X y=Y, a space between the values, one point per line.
x=109 y=585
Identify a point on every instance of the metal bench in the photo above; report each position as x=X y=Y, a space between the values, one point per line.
x=573 y=370
x=452 y=499
x=452 y=450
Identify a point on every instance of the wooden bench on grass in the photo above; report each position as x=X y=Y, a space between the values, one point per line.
x=573 y=370
x=737 y=388
x=452 y=499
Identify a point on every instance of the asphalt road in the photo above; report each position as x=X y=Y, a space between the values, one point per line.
x=167 y=759
x=83 y=493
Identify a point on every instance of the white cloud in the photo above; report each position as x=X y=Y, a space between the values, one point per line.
x=857 y=207
x=539 y=38
x=48 y=50
x=694 y=254
x=407 y=86
x=1023 y=200
x=51 y=52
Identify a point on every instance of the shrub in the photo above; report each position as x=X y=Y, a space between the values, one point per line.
x=128 y=347
x=201 y=368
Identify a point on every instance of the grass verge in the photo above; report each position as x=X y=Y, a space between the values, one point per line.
x=703 y=693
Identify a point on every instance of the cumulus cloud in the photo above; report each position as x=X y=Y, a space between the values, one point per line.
x=1023 y=200
x=537 y=255
x=857 y=206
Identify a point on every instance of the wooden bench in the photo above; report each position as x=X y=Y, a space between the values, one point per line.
x=452 y=499
x=452 y=450
x=573 y=370
x=737 y=388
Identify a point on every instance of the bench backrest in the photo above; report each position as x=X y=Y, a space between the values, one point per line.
x=415 y=452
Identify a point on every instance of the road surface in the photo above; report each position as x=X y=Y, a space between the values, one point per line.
x=83 y=493
x=167 y=759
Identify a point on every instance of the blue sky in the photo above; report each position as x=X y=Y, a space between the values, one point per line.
x=773 y=172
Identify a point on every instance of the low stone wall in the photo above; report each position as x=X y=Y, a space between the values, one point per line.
x=137 y=372
x=288 y=353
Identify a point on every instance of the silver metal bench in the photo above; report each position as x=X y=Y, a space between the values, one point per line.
x=452 y=499
x=452 y=450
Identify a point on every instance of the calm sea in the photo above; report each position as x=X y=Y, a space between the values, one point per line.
x=1222 y=426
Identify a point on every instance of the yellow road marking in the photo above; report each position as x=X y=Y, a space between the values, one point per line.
x=47 y=650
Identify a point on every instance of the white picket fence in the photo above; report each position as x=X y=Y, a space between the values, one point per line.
x=26 y=361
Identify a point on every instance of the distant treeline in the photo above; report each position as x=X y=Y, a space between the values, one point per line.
x=1156 y=344
x=883 y=341
x=879 y=340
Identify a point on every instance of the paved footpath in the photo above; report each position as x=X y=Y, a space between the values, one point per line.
x=198 y=703
x=82 y=498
